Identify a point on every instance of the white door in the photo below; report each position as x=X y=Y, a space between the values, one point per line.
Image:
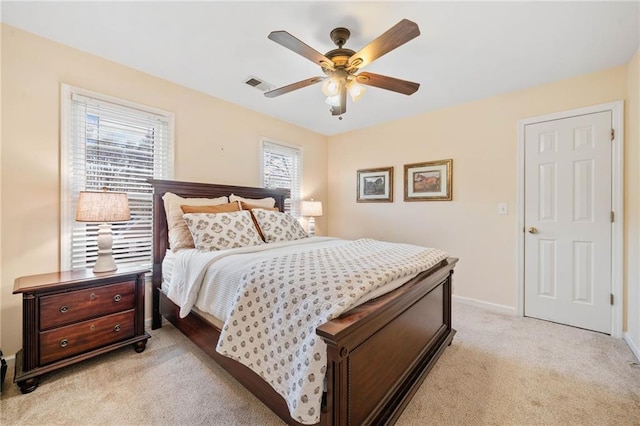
x=568 y=206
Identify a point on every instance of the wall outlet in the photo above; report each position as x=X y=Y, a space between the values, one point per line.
x=503 y=208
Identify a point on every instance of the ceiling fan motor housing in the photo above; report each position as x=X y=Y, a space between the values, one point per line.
x=339 y=56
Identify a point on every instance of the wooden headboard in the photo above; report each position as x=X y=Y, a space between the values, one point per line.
x=191 y=190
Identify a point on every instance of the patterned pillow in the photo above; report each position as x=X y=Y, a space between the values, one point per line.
x=179 y=236
x=222 y=231
x=250 y=207
x=277 y=226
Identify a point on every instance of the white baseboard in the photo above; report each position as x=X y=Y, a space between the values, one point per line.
x=632 y=345
x=503 y=309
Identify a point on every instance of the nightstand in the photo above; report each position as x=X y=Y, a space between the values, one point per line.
x=71 y=316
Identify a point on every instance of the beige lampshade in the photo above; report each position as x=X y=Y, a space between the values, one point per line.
x=102 y=207
x=311 y=208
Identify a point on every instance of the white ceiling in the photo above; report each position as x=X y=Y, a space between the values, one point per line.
x=466 y=51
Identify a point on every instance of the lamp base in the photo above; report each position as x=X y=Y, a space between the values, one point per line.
x=105 y=262
x=312 y=226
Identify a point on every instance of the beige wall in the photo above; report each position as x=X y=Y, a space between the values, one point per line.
x=215 y=142
x=632 y=200
x=1 y=292
x=218 y=142
x=481 y=138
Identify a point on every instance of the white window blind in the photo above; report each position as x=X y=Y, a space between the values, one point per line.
x=282 y=168
x=118 y=145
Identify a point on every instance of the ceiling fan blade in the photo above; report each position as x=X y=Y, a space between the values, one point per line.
x=342 y=108
x=290 y=42
x=294 y=86
x=395 y=36
x=389 y=83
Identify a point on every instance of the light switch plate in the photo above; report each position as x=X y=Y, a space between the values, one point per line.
x=503 y=208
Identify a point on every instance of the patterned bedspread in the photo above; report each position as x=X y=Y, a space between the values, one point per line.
x=282 y=300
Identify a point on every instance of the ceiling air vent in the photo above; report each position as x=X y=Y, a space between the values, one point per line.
x=258 y=83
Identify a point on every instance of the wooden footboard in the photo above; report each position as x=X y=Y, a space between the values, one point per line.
x=378 y=354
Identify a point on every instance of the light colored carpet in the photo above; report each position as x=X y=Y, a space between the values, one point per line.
x=500 y=370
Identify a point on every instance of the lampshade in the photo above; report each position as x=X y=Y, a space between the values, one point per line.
x=355 y=90
x=102 y=207
x=333 y=100
x=311 y=208
x=331 y=86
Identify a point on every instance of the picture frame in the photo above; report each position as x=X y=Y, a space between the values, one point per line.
x=375 y=185
x=428 y=181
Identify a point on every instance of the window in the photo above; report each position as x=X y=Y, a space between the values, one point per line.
x=111 y=143
x=282 y=168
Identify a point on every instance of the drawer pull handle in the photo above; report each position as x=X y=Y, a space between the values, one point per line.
x=64 y=343
x=64 y=309
x=116 y=327
x=92 y=327
x=117 y=298
x=92 y=296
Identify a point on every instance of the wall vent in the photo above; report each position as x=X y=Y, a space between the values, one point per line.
x=258 y=83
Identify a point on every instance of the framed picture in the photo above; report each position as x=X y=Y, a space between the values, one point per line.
x=428 y=181
x=375 y=185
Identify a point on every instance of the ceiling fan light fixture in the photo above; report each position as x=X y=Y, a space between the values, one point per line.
x=355 y=90
x=331 y=87
x=333 y=100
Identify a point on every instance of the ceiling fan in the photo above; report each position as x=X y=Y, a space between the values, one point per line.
x=341 y=66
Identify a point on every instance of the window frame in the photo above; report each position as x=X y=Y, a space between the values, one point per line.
x=295 y=203
x=67 y=213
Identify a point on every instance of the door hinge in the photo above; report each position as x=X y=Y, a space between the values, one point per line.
x=612 y=298
x=613 y=217
x=613 y=134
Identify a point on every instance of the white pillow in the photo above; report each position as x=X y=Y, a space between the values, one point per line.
x=268 y=202
x=277 y=226
x=222 y=231
x=179 y=235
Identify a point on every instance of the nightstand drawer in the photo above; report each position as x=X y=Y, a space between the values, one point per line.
x=77 y=338
x=65 y=308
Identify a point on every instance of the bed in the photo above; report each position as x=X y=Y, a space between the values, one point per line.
x=378 y=353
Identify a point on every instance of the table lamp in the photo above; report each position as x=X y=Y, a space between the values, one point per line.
x=311 y=209
x=103 y=208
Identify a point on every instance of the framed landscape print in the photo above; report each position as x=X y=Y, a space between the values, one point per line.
x=428 y=181
x=375 y=185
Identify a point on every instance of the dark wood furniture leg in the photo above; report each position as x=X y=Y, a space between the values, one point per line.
x=3 y=371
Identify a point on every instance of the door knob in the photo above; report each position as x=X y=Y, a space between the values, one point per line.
x=533 y=230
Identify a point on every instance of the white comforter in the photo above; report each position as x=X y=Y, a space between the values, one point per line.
x=209 y=280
